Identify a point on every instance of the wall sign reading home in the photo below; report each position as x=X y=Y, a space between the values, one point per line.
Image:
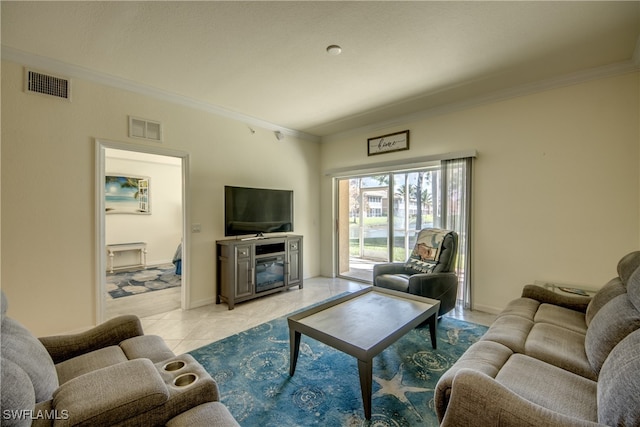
x=125 y=194
x=387 y=143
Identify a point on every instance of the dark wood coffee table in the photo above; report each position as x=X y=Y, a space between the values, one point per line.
x=362 y=324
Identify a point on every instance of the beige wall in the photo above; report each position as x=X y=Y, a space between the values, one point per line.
x=48 y=191
x=556 y=192
x=556 y=183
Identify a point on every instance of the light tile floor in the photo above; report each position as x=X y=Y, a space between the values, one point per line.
x=187 y=330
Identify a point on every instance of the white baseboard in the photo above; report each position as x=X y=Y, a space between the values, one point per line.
x=159 y=263
x=487 y=309
x=202 y=302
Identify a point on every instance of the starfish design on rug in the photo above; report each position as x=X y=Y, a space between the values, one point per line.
x=394 y=387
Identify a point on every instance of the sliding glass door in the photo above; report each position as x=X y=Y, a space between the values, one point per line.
x=415 y=208
x=379 y=217
x=363 y=225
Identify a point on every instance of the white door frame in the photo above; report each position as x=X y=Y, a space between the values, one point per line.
x=101 y=255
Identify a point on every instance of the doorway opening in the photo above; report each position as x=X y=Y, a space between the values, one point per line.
x=141 y=222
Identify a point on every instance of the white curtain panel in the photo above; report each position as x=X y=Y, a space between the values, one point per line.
x=456 y=215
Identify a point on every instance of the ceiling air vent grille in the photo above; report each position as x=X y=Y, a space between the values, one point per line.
x=47 y=84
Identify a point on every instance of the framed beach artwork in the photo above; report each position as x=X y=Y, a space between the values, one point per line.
x=126 y=194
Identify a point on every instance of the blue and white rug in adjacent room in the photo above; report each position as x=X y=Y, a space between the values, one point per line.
x=128 y=283
x=252 y=371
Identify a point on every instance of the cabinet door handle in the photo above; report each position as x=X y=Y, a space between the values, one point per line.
x=253 y=275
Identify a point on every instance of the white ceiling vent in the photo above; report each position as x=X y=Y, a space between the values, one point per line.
x=47 y=84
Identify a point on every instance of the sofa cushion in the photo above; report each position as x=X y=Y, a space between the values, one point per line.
x=22 y=395
x=523 y=307
x=17 y=342
x=510 y=331
x=88 y=362
x=627 y=265
x=150 y=347
x=617 y=319
x=608 y=292
x=633 y=289
x=560 y=316
x=619 y=384
x=560 y=347
x=205 y=415
x=550 y=387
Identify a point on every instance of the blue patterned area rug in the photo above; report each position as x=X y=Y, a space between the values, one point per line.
x=127 y=283
x=252 y=371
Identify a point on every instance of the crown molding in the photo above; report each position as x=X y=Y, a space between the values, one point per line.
x=501 y=95
x=75 y=71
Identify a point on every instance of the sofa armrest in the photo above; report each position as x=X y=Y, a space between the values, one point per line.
x=477 y=399
x=111 y=332
x=110 y=395
x=388 y=268
x=543 y=295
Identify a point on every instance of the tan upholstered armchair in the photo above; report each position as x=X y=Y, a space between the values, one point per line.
x=110 y=375
x=429 y=270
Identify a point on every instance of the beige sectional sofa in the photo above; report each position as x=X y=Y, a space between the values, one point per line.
x=553 y=360
x=110 y=375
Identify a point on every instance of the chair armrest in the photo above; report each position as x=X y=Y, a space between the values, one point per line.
x=111 y=332
x=389 y=268
x=433 y=285
x=543 y=295
x=111 y=395
x=440 y=286
x=477 y=399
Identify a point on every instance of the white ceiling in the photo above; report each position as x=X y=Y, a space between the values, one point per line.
x=267 y=60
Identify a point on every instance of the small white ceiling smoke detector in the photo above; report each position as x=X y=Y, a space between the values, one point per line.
x=334 y=50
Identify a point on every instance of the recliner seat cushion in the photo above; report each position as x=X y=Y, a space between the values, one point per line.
x=560 y=316
x=111 y=395
x=397 y=282
x=559 y=347
x=511 y=331
x=89 y=362
x=550 y=387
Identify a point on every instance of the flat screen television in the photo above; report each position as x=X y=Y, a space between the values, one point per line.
x=257 y=211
